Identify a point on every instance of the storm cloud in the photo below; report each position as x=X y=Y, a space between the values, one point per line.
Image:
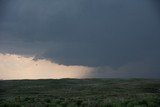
x=93 y=33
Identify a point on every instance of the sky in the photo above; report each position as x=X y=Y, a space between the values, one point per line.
x=79 y=39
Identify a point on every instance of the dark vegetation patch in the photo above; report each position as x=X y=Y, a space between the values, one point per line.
x=80 y=93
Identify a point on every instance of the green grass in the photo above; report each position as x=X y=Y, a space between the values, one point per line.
x=80 y=93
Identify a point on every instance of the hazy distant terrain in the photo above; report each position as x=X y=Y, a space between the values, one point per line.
x=80 y=93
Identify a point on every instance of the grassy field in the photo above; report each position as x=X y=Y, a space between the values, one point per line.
x=80 y=93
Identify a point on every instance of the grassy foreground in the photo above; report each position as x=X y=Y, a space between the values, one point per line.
x=80 y=93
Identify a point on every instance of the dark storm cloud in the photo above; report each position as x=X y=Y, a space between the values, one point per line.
x=138 y=70
x=82 y=32
x=156 y=3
